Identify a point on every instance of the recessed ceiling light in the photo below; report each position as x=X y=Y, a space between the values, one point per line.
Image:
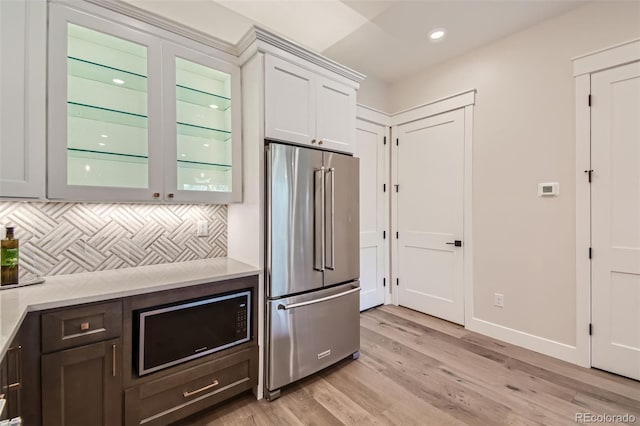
x=101 y=143
x=206 y=145
x=118 y=81
x=104 y=136
x=183 y=155
x=87 y=168
x=437 y=34
x=213 y=106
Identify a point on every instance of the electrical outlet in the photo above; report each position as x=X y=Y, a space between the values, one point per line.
x=203 y=229
x=498 y=300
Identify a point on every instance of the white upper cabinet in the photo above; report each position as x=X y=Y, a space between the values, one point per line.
x=336 y=115
x=306 y=108
x=23 y=50
x=133 y=117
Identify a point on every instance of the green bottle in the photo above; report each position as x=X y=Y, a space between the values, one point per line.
x=9 y=259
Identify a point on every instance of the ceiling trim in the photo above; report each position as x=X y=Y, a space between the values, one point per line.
x=266 y=40
x=163 y=23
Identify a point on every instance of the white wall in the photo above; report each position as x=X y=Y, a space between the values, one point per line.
x=524 y=133
x=374 y=93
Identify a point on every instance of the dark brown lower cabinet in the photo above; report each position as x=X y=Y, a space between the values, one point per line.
x=83 y=386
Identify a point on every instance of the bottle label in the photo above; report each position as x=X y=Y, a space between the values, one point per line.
x=9 y=257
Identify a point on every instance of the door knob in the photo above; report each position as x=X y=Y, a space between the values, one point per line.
x=456 y=243
x=170 y=195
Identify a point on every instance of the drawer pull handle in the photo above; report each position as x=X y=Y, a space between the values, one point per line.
x=187 y=394
x=84 y=326
x=113 y=362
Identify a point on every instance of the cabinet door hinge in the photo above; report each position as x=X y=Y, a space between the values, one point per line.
x=397 y=234
x=590 y=252
x=385 y=140
x=397 y=281
x=384 y=187
x=590 y=329
x=589 y=100
x=384 y=282
x=384 y=235
x=397 y=142
x=589 y=173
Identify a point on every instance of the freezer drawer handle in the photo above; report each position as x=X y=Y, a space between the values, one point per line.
x=313 y=302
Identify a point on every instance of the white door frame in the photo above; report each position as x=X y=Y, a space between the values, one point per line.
x=464 y=100
x=583 y=67
x=383 y=119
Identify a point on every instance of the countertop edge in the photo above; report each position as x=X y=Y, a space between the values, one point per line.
x=5 y=341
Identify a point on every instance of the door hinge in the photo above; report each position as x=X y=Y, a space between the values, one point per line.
x=397 y=187
x=385 y=140
x=397 y=142
x=397 y=281
x=384 y=187
x=589 y=100
x=590 y=252
x=590 y=329
x=589 y=173
x=384 y=235
x=384 y=282
x=397 y=235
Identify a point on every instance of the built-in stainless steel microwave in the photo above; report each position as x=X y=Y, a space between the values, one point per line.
x=172 y=334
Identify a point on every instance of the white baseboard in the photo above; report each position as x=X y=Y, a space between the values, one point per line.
x=532 y=342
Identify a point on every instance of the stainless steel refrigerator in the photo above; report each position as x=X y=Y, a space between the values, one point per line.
x=313 y=262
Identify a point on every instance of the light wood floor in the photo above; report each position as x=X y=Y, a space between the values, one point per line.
x=419 y=370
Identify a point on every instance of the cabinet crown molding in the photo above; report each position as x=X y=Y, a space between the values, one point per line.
x=259 y=39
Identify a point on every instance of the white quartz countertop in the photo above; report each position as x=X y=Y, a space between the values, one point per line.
x=66 y=290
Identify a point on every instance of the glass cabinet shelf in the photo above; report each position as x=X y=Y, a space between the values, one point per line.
x=201 y=165
x=87 y=153
x=96 y=113
x=201 y=98
x=116 y=77
x=203 y=132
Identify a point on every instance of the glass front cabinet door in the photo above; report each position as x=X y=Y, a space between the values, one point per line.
x=199 y=126
x=133 y=117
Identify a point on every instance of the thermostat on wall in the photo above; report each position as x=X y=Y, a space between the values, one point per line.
x=548 y=189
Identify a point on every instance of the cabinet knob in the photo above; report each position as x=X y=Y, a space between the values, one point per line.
x=170 y=195
x=320 y=142
x=84 y=326
x=313 y=141
x=156 y=195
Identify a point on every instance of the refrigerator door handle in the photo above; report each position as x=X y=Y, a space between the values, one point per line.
x=284 y=307
x=332 y=252
x=319 y=237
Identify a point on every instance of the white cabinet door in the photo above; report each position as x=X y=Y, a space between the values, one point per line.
x=105 y=135
x=335 y=116
x=201 y=107
x=290 y=102
x=370 y=148
x=22 y=92
x=615 y=220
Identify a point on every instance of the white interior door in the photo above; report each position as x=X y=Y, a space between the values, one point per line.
x=370 y=149
x=430 y=175
x=615 y=207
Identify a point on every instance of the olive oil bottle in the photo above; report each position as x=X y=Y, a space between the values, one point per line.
x=9 y=259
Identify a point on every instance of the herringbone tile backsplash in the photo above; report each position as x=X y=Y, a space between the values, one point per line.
x=65 y=238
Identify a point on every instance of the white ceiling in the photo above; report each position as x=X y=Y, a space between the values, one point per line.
x=388 y=40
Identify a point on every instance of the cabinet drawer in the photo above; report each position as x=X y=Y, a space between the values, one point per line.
x=173 y=397
x=80 y=326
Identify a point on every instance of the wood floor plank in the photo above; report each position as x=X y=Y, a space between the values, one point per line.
x=419 y=370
